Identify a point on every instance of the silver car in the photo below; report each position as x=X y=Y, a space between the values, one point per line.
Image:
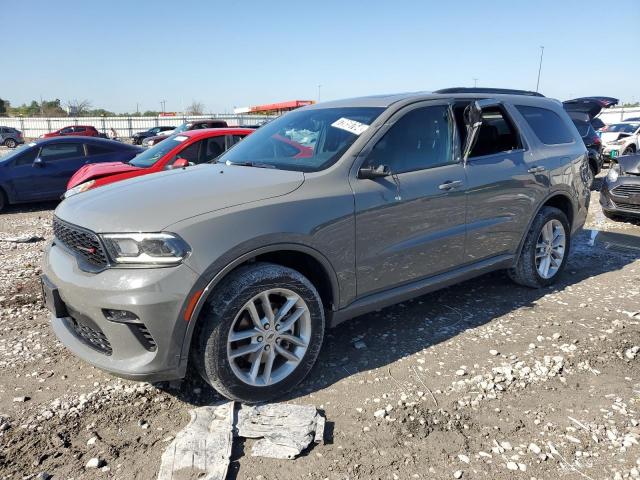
x=329 y=212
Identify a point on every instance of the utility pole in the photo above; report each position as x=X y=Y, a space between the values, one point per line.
x=540 y=67
x=475 y=82
x=163 y=103
x=137 y=108
x=319 y=87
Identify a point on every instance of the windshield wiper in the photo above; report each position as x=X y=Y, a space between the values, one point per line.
x=250 y=164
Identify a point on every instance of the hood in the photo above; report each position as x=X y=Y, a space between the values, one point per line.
x=92 y=171
x=591 y=106
x=608 y=137
x=151 y=203
x=630 y=164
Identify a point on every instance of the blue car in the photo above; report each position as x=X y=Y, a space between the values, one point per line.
x=40 y=170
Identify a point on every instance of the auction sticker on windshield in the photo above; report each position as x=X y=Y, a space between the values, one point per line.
x=351 y=126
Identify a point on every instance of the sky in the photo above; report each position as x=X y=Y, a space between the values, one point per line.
x=120 y=53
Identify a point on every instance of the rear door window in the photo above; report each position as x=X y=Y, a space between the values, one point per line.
x=214 y=148
x=546 y=124
x=93 y=150
x=497 y=134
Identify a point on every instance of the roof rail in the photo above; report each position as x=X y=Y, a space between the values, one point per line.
x=499 y=91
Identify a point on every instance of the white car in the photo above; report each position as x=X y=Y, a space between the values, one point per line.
x=620 y=139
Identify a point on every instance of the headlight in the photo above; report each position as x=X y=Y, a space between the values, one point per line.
x=145 y=248
x=614 y=172
x=617 y=142
x=83 y=187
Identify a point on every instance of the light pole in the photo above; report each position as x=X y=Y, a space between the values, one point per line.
x=540 y=67
x=319 y=87
x=475 y=82
x=163 y=103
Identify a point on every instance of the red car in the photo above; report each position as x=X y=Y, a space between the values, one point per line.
x=74 y=130
x=177 y=151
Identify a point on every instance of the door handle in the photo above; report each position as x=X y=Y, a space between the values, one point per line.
x=450 y=185
x=536 y=170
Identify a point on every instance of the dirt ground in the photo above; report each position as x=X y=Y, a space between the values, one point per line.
x=481 y=380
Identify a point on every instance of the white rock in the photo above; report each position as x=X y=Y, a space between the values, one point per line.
x=463 y=458
x=380 y=413
x=512 y=465
x=460 y=372
x=94 y=463
x=493 y=352
x=457 y=474
x=535 y=448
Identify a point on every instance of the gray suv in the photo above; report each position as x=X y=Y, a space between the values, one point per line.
x=326 y=213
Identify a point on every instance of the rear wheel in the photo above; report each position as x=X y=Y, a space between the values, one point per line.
x=260 y=334
x=545 y=250
x=3 y=200
x=10 y=142
x=630 y=150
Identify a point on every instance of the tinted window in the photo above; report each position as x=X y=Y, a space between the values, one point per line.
x=66 y=130
x=27 y=157
x=61 y=151
x=623 y=127
x=546 y=124
x=151 y=155
x=213 y=148
x=582 y=126
x=236 y=138
x=420 y=139
x=98 y=150
x=190 y=153
x=304 y=140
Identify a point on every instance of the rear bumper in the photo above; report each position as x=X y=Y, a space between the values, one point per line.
x=147 y=350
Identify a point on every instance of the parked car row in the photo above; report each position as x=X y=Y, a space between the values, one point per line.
x=50 y=168
x=236 y=267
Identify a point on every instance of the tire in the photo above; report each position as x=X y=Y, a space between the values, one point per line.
x=10 y=143
x=228 y=312
x=3 y=200
x=527 y=270
x=630 y=150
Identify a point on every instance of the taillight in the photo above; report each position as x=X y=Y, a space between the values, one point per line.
x=596 y=140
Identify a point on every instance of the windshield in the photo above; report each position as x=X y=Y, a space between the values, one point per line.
x=623 y=127
x=17 y=151
x=304 y=140
x=182 y=128
x=149 y=157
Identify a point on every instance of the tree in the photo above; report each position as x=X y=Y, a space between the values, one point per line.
x=196 y=108
x=78 y=108
x=4 y=107
x=151 y=113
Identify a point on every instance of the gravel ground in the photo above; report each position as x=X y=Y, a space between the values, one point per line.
x=481 y=380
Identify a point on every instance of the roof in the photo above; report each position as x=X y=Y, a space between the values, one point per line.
x=87 y=139
x=215 y=132
x=385 y=101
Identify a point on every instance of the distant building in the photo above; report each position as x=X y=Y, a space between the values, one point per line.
x=274 y=108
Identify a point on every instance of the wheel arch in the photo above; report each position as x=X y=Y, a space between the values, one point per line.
x=306 y=260
x=560 y=200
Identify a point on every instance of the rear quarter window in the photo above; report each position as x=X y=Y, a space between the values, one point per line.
x=547 y=125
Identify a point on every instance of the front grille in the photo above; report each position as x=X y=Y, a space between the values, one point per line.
x=83 y=243
x=92 y=336
x=626 y=190
x=628 y=206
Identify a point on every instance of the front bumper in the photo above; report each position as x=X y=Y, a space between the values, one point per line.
x=148 y=350
x=622 y=196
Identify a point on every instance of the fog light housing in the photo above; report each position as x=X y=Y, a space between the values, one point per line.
x=121 y=316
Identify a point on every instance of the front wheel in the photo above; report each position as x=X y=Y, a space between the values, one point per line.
x=545 y=250
x=10 y=143
x=260 y=333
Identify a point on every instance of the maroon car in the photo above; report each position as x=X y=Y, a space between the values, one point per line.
x=75 y=131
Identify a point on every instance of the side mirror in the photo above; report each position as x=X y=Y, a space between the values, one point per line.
x=371 y=173
x=38 y=162
x=180 y=163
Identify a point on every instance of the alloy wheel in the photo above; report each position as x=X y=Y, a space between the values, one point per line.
x=269 y=337
x=550 y=248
